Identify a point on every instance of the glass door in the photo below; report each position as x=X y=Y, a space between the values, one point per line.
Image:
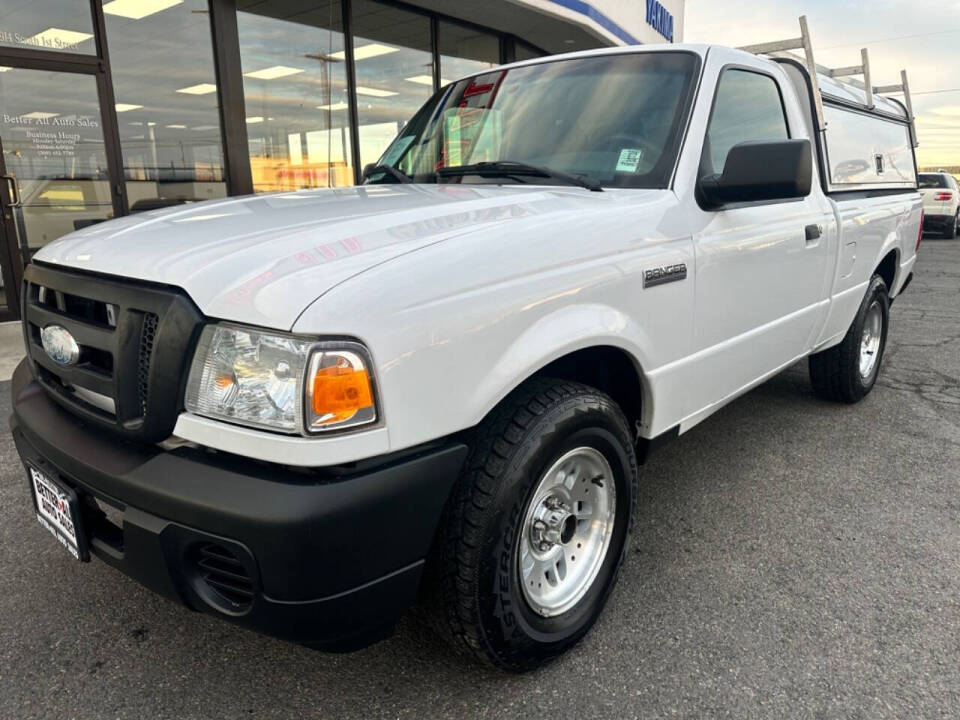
x=8 y=277
x=56 y=176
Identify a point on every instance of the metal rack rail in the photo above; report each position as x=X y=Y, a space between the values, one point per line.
x=848 y=74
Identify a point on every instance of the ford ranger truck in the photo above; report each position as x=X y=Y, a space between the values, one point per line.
x=303 y=411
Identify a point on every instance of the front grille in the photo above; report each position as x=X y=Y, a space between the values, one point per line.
x=135 y=339
x=147 y=335
x=222 y=579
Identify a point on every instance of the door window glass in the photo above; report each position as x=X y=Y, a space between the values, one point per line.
x=50 y=25
x=747 y=107
x=52 y=136
x=163 y=77
x=464 y=51
x=394 y=72
x=295 y=91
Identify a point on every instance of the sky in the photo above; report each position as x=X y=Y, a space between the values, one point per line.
x=922 y=36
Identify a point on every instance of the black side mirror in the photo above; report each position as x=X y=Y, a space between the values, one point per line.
x=758 y=171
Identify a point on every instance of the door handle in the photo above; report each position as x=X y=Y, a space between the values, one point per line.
x=812 y=233
x=14 y=191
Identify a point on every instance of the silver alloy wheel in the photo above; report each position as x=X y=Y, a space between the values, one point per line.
x=566 y=531
x=870 y=340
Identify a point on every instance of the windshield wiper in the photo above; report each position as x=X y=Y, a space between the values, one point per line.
x=387 y=170
x=501 y=168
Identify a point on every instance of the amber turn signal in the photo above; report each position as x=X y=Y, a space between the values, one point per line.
x=340 y=392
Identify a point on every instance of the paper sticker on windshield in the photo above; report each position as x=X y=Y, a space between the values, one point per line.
x=453 y=143
x=629 y=159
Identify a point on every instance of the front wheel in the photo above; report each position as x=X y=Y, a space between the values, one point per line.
x=537 y=527
x=848 y=371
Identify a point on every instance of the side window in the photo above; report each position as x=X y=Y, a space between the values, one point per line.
x=747 y=107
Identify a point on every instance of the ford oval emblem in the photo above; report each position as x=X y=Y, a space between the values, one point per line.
x=59 y=344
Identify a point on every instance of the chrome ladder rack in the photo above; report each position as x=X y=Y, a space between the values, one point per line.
x=785 y=48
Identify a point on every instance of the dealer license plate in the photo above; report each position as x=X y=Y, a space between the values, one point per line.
x=57 y=512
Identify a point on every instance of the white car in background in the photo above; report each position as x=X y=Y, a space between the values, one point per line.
x=941 y=203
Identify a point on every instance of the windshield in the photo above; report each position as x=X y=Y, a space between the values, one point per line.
x=614 y=120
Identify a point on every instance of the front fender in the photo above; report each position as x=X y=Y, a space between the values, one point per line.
x=566 y=330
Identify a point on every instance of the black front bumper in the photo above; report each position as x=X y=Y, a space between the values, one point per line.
x=334 y=555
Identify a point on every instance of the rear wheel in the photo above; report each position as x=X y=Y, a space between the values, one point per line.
x=536 y=530
x=953 y=229
x=848 y=371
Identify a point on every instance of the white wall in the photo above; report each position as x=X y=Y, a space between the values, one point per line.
x=630 y=15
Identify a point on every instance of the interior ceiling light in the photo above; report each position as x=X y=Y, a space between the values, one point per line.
x=137 y=9
x=124 y=107
x=201 y=128
x=58 y=38
x=365 y=51
x=374 y=92
x=4 y=68
x=201 y=89
x=426 y=80
x=272 y=73
x=177 y=127
x=254 y=120
x=334 y=106
x=41 y=115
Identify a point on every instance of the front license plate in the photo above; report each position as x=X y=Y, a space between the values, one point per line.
x=57 y=512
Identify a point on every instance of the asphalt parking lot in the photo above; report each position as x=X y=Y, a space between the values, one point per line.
x=792 y=558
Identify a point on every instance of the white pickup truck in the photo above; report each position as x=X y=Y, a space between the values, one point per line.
x=300 y=411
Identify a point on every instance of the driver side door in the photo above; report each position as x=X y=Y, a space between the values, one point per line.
x=761 y=266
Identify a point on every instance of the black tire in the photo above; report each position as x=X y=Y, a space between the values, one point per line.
x=951 y=232
x=472 y=586
x=835 y=372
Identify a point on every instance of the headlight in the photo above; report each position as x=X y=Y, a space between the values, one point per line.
x=280 y=382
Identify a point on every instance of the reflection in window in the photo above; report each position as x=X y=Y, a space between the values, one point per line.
x=614 y=119
x=166 y=95
x=53 y=146
x=522 y=51
x=747 y=107
x=48 y=25
x=295 y=89
x=394 y=72
x=464 y=51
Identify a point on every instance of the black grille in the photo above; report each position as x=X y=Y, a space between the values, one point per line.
x=147 y=335
x=225 y=577
x=135 y=340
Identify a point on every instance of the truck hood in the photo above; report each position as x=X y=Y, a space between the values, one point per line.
x=263 y=259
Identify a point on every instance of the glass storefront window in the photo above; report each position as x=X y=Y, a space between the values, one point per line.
x=51 y=25
x=52 y=137
x=522 y=51
x=163 y=77
x=464 y=51
x=295 y=89
x=394 y=72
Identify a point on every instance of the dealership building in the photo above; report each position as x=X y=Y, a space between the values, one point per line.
x=111 y=107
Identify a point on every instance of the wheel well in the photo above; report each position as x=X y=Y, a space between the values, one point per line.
x=887 y=269
x=608 y=369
